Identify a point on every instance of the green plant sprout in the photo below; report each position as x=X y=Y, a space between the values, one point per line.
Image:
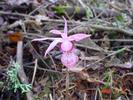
x=14 y=82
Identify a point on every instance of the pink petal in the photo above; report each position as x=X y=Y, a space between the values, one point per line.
x=78 y=37
x=66 y=46
x=64 y=35
x=52 y=45
x=40 y=39
x=55 y=32
x=69 y=59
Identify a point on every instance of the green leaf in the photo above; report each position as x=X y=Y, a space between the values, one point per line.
x=60 y=9
x=89 y=13
x=120 y=18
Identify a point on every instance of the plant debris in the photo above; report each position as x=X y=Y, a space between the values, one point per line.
x=101 y=65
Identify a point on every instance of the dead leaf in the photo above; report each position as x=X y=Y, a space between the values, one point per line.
x=106 y=91
x=15 y=37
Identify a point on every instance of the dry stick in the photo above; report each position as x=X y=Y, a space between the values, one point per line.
x=39 y=55
x=34 y=73
x=86 y=24
x=127 y=32
x=116 y=40
x=54 y=65
x=48 y=70
x=21 y=72
x=39 y=7
x=67 y=84
x=116 y=52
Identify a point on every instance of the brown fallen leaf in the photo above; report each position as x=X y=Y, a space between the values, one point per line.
x=15 y=37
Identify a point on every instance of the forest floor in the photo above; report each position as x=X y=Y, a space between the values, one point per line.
x=104 y=69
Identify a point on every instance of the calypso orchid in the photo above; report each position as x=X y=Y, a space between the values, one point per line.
x=67 y=44
x=69 y=58
x=66 y=41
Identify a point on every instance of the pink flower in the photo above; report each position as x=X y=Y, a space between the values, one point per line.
x=66 y=41
x=69 y=59
x=67 y=44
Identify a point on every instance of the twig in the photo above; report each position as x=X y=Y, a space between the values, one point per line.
x=48 y=70
x=38 y=55
x=54 y=65
x=16 y=14
x=116 y=40
x=67 y=84
x=21 y=73
x=34 y=73
x=116 y=29
x=86 y=24
x=116 y=52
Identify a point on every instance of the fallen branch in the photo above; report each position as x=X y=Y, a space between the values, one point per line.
x=21 y=72
x=106 y=28
x=85 y=24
